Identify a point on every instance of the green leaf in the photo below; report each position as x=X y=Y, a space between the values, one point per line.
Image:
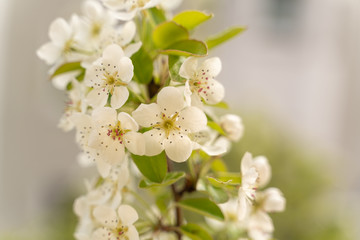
x=143 y=66
x=216 y=127
x=168 y=33
x=191 y=19
x=169 y=179
x=154 y=168
x=195 y=232
x=189 y=47
x=224 y=36
x=218 y=165
x=223 y=105
x=202 y=206
x=217 y=194
x=67 y=67
x=157 y=15
x=229 y=180
x=175 y=63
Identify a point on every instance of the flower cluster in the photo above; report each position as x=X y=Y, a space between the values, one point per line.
x=141 y=92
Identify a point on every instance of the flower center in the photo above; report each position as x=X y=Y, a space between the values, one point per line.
x=68 y=47
x=95 y=30
x=116 y=133
x=120 y=232
x=168 y=124
x=112 y=80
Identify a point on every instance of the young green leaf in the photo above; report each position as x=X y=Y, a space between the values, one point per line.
x=195 y=232
x=153 y=168
x=216 y=127
x=67 y=67
x=169 y=179
x=224 y=36
x=156 y=15
x=168 y=33
x=191 y=19
x=143 y=66
x=202 y=206
x=223 y=105
x=189 y=47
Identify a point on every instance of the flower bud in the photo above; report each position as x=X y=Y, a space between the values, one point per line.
x=232 y=126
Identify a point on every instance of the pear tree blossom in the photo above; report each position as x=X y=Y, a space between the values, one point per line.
x=115 y=225
x=200 y=84
x=149 y=120
x=64 y=42
x=109 y=75
x=171 y=122
x=127 y=9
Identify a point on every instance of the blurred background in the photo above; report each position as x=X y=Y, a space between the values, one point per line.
x=293 y=77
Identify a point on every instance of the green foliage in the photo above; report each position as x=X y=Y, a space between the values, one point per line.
x=68 y=67
x=143 y=66
x=170 y=178
x=156 y=15
x=187 y=48
x=195 y=232
x=191 y=18
x=154 y=168
x=216 y=127
x=202 y=206
x=168 y=33
x=224 y=36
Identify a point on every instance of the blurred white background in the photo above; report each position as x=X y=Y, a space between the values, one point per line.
x=298 y=63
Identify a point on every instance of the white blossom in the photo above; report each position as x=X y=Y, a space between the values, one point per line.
x=115 y=225
x=75 y=104
x=171 y=123
x=105 y=135
x=200 y=84
x=210 y=142
x=127 y=9
x=110 y=74
x=232 y=126
x=63 y=45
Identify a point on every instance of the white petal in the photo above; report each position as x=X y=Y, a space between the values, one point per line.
x=114 y=153
x=246 y=162
x=119 y=97
x=92 y=9
x=127 y=33
x=59 y=31
x=192 y=119
x=133 y=233
x=130 y=49
x=61 y=81
x=105 y=216
x=126 y=16
x=97 y=97
x=147 y=115
x=244 y=205
x=211 y=66
x=170 y=4
x=154 y=142
x=187 y=93
x=213 y=93
x=126 y=69
x=188 y=68
x=135 y=143
x=274 y=200
x=170 y=100
x=81 y=206
x=49 y=53
x=105 y=116
x=112 y=54
x=103 y=167
x=100 y=234
x=264 y=169
x=127 y=214
x=127 y=122
x=178 y=147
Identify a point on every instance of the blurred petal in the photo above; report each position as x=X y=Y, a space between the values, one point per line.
x=97 y=97
x=178 y=147
x=119 y=97
x=127 y=214
x=147 y=115
x=154 y=142
x=188 y=68
x=127 y=122
x=126 y=69
x=106 y=216
x=135 y=143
